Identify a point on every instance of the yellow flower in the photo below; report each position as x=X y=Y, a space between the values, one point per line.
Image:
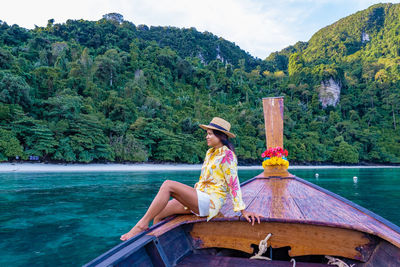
x=275 y=161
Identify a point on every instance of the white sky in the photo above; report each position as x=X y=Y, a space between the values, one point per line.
x=257 y=26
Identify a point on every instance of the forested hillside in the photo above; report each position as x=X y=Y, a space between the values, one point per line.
x=109 y=90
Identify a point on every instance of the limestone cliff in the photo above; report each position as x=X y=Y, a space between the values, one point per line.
x=329 y=93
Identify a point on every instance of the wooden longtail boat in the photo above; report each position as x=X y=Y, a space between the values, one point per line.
x=306 y=221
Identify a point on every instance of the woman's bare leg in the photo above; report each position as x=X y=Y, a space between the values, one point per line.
x=173 y=207
x=185 y=194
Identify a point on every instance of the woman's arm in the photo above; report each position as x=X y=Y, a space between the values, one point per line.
x=229 y=168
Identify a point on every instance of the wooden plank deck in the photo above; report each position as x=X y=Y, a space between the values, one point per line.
x=294 y=200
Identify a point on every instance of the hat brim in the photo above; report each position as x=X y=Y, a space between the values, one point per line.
x=206 y=127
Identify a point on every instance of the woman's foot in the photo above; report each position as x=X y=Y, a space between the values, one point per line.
x=134 y=231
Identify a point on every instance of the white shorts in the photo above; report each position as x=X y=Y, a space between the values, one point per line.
x=203 y=203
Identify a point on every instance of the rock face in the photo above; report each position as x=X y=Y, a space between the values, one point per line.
x=329 y=93
x=219 y=55
x=364 y=37
x=200 y=56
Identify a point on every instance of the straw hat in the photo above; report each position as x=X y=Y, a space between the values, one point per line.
x=220 y=125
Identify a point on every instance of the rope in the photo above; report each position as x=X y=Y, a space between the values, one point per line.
x=337 y=262
x=263 y=246
x=262 y=249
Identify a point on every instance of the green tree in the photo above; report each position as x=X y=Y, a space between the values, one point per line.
x=14 y=90
x=345 y=153
x=9 y=145
x=296 y=63
x=128 y=148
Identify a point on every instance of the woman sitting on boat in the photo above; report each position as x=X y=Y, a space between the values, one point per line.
x=218 y=177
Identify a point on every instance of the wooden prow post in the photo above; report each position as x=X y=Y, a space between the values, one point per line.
x=273 y=117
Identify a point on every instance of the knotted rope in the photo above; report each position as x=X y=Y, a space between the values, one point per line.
x=263 y=246
x=337 y=262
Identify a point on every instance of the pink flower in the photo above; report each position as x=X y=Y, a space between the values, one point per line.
x=233 y=185
x=274 y=152
x=228 y=157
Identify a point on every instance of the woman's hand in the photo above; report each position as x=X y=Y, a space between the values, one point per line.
x=251 y=216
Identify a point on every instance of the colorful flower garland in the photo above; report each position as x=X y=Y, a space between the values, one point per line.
x=275 y=156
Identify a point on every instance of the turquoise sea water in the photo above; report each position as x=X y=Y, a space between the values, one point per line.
x=67 y=219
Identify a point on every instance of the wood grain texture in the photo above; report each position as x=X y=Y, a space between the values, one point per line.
x=221 y=261
x=292 y=200
x=273 y=117
x=276 y=171
x=385 y=255
x=302 y=238
x=174 y=223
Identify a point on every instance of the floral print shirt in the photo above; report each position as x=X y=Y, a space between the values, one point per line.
x=218 y=177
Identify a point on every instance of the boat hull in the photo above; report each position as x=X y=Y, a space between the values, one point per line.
x=190 y=244
x=307 y=223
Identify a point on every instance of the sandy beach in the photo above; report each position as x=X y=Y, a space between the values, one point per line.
x=115 y=167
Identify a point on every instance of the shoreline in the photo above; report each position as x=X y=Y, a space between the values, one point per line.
x=117 y=167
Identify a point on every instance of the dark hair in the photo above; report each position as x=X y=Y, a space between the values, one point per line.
x=224 y=139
